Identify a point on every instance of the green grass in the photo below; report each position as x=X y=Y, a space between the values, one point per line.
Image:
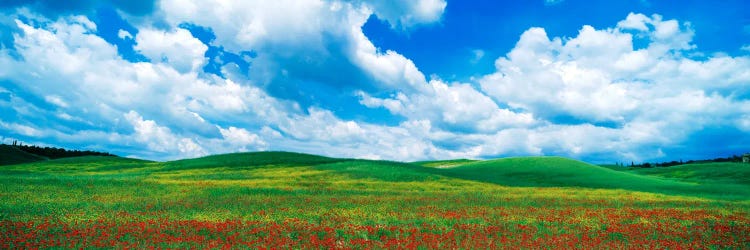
x=562 y=172
x=237 y=183
x=80 y=165
x=11 y=155
x=249 y=160
x=552 y=194
x=294 y=170
x=716 y=172
x=444 y=163
x=380 y=170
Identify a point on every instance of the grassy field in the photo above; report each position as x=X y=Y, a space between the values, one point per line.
x=290 y=200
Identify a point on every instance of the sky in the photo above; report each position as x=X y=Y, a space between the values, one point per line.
x=599 y=81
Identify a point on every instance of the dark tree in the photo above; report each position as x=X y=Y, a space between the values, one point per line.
x=55 y=153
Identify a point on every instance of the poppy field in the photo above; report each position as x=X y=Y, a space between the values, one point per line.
x=286 y=200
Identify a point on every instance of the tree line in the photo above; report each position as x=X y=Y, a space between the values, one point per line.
x=56 y=153
x=733 y=158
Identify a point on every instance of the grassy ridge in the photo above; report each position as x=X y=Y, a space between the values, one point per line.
x=92 y=186
x=253 y=159
x=279 y=169
x=562 y=172
x=443 y=163
x=11 y=155
x=731 y=182
x=717 y=172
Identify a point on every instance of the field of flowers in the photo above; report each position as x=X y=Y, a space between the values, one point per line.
x=104 y=203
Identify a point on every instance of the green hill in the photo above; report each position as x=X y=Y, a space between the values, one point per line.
x=715 y=172
x=11 y=155
x=79 y=165
x=253 y=159
x=363 y=200
x=563 y=172
x=444 y=163
x=380 y=170
x=715 y=180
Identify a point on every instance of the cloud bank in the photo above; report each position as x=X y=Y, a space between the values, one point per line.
x=302 y=76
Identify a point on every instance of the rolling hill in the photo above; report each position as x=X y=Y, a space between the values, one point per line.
x=513 y=172
x=11 y=155
x=563 y=172
x=252 y=159
x=713 y=172
x=372 y=202
x=718 y=180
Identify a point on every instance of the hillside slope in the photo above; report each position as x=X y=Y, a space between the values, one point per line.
x=252 y=159
x=715 y=172
x=563 y=172
x=78 y=165
x=11 y=155
x=444 y=163
x=285 y=169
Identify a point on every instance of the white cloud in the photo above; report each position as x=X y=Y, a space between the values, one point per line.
x=76 y=70
x=160 y=138
x=457 y=106
x=390 y=68
x=112 y=92
x=598 y=76
x=654 y=95
x=665 y=35
x=634 y=21
x=282 y=35
x=56 y=100
x=408 y=14
x=241 y=138
x=21 y=129
x=258 y=25
x=124 y=34
x=177 y=48
x=583 y=96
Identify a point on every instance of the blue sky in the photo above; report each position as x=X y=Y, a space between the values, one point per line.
x=600 y=81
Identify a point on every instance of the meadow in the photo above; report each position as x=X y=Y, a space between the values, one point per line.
x=290 y=200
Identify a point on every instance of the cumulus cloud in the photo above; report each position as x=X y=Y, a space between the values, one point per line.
x=84 y=76
x=240 y=138
x=389 y=69
x=652 y=96
x=594 y=95
x=178 y=48
x=408 y=14
x=242 y=25
x=161 y=139
x=456 y=106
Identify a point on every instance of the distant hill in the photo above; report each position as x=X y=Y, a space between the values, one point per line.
x=711 y=172
x=713 y=180
x=56 y=153
x=514 y=171
x=443 y=163
x=563 y=172
x=16 y=154
x=80 y=164
x=251 y=159
x=12 y=155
